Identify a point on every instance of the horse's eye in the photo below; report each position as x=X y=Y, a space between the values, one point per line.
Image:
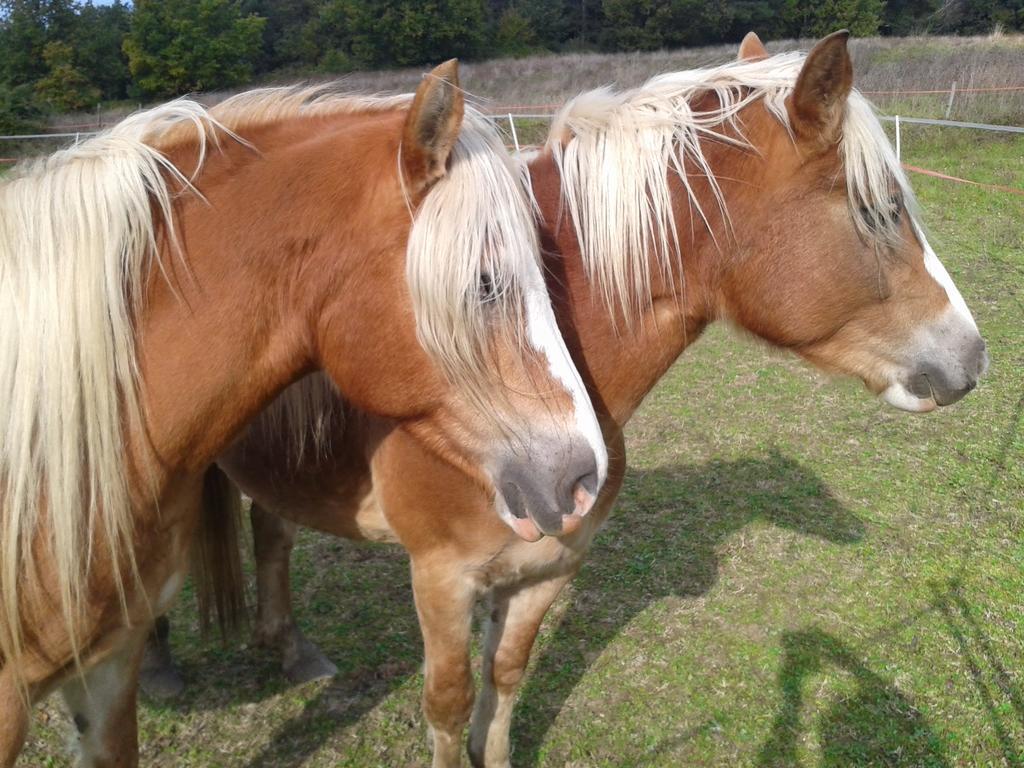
x=877 y=218
x=486 y=288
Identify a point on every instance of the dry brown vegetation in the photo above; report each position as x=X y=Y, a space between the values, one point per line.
x=881 y=64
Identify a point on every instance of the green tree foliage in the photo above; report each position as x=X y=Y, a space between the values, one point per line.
x=649 y=24
x=18 y=110
x=980 y=17
x=690 y=22
x=26 y=28
x=363 y=33
x=176 y=46
x=96 y=38
x=553 y=22
x=769 y=18
x=816 y=19
x=515 y=36
x=286 y=38
x=631 y=25
x=67 y=54
x=65 y=88
x=909 y=17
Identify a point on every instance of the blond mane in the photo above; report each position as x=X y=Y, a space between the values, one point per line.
x=77 y=244
x=616 y=150
x=493 y=232
x=77 y=239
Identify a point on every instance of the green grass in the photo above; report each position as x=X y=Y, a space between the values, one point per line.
x=794 y=575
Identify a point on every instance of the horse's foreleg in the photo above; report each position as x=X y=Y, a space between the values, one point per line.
x=444 y=602
x=13 y=718
x=102 y=706
x=512 y=626
x=159 y=676
x=274 y=538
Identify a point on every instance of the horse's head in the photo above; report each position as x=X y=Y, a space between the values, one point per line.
x=832 y=262
x=458 y=332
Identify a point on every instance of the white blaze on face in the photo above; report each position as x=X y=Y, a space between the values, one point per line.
x=941 y=276
x=544 y=336
x=948 y=342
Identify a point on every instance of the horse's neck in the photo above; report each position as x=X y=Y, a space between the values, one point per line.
x=228 y=331
x=620 y=359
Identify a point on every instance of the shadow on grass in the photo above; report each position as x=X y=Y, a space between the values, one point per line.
x=662 y=540
x=354 y=601
x=989 y=675
x=877 y=725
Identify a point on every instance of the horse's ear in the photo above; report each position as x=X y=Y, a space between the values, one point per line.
x=752 y=49
x=819 y=98
x=432 y=126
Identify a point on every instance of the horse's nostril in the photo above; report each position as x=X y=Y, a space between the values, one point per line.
x=588 y=482
x=982 y=360
x=577 y=495
x=921 y=386
x=584 y=493
x=514 y=499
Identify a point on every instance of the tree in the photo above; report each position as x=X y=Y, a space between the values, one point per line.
x=177 y=46
x=65 y=87
x=694 y=22
x=26 y=27
x=551 y=22
x=648 y=24
x=980 y=17
x=817 y=18
x=286 y=42
x=373 y=33
x=18 y=110
x=907 y=17
x=97 y=40
x=514 y=36
x=772 y=19
x=631 y=25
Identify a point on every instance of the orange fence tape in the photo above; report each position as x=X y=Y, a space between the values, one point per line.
x=958 y=180
x=505 y=109
x=911 y=168
x=912 y=92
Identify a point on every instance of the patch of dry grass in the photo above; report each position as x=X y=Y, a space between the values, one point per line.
x=881 y=64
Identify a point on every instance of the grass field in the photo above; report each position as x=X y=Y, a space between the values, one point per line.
x=794 y=575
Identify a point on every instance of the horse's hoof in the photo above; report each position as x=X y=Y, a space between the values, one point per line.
x=476 y=759
x=161 y=683
x=310 y=665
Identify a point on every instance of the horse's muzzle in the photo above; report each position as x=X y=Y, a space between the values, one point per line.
x=549 y=497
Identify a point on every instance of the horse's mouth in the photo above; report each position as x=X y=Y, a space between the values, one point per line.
x=519 y=521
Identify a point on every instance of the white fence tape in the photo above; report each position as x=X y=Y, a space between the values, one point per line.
x=548 y=116
x=954 y=124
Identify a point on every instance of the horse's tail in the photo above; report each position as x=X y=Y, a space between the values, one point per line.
x=216 y=556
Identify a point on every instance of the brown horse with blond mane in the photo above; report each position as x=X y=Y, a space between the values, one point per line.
x=763 y=192
x=164 y=281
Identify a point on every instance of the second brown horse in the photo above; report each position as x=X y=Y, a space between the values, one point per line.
x=763 y=192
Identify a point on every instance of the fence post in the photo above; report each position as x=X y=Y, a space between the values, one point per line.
x=898 y=155
x=949 y=104
x=512 y=125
